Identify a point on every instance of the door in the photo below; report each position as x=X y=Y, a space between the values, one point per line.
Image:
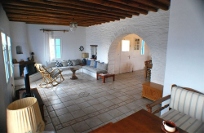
x=125 y=56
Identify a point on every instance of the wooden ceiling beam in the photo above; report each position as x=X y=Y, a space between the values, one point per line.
x=54 y=14
x=58 y=9
x=36 y=17
x=117 y=5
x=95 y=6
x=9 y=8
x=153 y=3
x=136 y=4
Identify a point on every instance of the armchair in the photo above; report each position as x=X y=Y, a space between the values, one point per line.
x=186 y=108
x=50 y=76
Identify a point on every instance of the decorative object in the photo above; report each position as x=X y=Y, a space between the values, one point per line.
x=19 y=50
x=73 y=25
x=32 y=56
x=84 y=56
x=23 y=116
x=81 y=48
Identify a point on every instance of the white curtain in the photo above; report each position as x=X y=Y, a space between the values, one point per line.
x=48 y=37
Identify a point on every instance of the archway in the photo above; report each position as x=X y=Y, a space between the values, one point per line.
x=128 y=61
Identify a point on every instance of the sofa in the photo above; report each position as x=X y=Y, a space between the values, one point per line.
x=186 y=109
x=91 y=67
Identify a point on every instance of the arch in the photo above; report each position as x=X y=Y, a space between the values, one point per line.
x=156 y=46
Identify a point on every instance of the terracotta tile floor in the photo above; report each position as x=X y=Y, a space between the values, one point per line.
x=82 y=105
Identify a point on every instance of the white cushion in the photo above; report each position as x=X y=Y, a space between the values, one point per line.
x=50 y=64
x=92 y=63
x=101 y=66
x=184 y=121
x=187 y=102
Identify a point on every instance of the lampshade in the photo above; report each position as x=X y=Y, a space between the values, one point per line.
x=24 y=116
x=73 y=26
x=85 y=55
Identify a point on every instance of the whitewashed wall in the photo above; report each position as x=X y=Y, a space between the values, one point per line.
x=185 y=56
x=136 y=60
x=33 y=40
x=6 y=89
x=19 y=37
x=153 y=28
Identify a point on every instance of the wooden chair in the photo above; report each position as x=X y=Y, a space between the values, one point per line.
x=50 y=76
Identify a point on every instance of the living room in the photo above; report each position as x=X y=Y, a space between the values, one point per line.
x=175 y=39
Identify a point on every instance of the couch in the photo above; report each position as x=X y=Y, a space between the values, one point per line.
x=91 y=67
x=186 y=109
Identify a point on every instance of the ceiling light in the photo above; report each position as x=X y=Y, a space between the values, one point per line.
x=72 y=26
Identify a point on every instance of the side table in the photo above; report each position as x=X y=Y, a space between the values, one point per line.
x=152 y=90
x=104 y=76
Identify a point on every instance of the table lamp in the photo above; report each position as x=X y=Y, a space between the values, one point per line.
x=23 y=116
x=84 y=56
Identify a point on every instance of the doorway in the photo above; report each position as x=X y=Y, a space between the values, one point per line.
x=132 y=59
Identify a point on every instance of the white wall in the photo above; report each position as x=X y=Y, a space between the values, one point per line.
x=19 y=37
x=6 y=90
x=32 y=39
x=185 y=56
x=71 y=41
x=153 y=28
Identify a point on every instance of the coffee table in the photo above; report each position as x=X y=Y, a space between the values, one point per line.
x=74 y=69
x=104 y=76
x=139 y=122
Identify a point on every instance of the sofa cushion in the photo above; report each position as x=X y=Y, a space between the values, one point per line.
x=101 y=66
x=92 y=63
x=69 y=63
x=187 y=102
x=50 y=64
x=64 y=63
x=184 y=121
x=75 y=62
x=88 y=62
x=58 y=64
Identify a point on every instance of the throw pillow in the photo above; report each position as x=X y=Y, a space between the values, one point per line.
x=88 y=62
x=95 y=65
x=92 y=63
x=58 y=64
x=64 y=62
x=74 y=62
x=69 y=63
x=102 y=66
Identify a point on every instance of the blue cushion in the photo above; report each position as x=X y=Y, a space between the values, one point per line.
x=88 y=62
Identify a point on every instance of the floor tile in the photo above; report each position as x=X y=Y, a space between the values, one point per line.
x=80 y=127
x=85 y=104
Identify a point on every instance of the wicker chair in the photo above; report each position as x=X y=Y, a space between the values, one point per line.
x=50 y=76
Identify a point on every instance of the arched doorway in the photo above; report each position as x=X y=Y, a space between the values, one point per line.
x=127 y=61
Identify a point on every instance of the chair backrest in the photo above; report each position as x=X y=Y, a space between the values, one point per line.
x=41 y=68
x=188 y=101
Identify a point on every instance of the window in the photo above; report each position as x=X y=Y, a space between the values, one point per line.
x=125 y=45
x=4 y=48
x=10 y=56
x=55 y=48
x=143 y=47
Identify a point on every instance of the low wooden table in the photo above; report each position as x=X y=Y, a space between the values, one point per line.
x=139 y=122
x=104 y=76
x=152 y=90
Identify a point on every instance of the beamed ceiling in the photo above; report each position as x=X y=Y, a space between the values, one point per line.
x=84 y=12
